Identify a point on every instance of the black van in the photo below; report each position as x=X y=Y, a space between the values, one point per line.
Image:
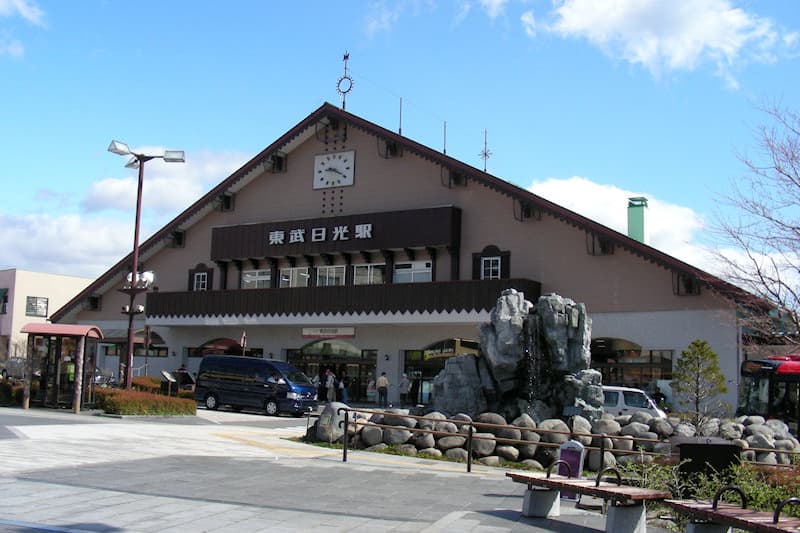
x=274 y=386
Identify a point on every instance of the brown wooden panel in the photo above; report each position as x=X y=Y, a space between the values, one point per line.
x=441 y=296
x=430 y=227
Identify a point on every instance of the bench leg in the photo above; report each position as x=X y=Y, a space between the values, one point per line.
x=707 y=527
x=626 y=518
x=541 y=503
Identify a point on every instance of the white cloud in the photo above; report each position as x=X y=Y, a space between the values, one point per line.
x=493 y=8
x=23 y=8
x=87 y=244
x=528 y=23
x=168 y=187
x=672 y=36
x=673 y=229
x=382 y=17
x=71 y=244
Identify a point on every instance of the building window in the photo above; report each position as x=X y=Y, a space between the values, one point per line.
x=294 y=277
x=201 y=278
x=491 y=263
x=413 y=272
x=3 y=301
x=490 y=268
x=256 y=279
x=36 y=306
x=328 y=276
x=369 y=274
x=200 y=281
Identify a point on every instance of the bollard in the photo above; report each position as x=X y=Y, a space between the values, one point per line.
x=346 y=421
x=469 y=448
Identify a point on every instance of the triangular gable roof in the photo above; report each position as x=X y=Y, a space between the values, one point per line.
x=304 y=129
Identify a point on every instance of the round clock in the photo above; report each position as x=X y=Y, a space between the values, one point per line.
x=334 y=170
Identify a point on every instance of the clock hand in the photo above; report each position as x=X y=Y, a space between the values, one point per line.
x=332 y=169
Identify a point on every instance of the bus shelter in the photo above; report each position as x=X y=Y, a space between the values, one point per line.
x=64 y=358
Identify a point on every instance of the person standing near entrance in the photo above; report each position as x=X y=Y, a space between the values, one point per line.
x=383 y=390
x=403 y=387
x=343 y=383
x=330 y=385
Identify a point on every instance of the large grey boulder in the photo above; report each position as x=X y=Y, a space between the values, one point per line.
x=509 y=453
x=582 y=430
x=556 y=425
x=371 y=435
x=330 y=426
x=685 y=429
x=424 y=440
x=483 y=444
x=731 y=430
x=635 y=429
x=430 y=419
x=456 y=454
x=458 y=387
x=661 y=427
x=395 y=417
x=445 y=426
x=779 y=427
x=433 y=452
x=709 y=427
x=641 y=417
x=593 y=460
x=500 y=339
x=566 y=332
x=606 y=426
x=446 y=443
x=492 y=460
x=396 y=435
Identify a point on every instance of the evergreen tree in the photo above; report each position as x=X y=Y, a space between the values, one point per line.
x=698 y=380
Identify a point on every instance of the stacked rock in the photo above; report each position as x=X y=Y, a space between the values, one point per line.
x=536 y=445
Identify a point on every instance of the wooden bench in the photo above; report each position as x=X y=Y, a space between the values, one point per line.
x=625 y=514
x=716 y=517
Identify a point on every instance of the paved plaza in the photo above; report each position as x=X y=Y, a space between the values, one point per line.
x=237 y=472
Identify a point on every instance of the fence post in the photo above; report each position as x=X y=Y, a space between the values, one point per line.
x=346 y=421
x=602 y=451
x=469 y=448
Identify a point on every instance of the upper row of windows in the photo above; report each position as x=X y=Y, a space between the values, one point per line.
x=334 y=275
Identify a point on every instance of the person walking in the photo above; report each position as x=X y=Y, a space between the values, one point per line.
x=330 y=385
x=343 y=382
x=403 y=387
x=383 y=390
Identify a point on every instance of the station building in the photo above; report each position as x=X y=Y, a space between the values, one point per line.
x=346 y=245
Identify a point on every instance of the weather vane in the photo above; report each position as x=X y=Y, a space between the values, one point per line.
x=345 y=83
x=485 y=153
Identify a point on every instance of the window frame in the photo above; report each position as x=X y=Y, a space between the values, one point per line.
x=295 y=273
x=491 y=267
x=415 y=273
x=261 y=278
x=200 y=281
x=371 y=269
x=33 y=306
x=323 y=275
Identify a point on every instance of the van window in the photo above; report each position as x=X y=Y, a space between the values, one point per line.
x=635 y=399
x=610 y=399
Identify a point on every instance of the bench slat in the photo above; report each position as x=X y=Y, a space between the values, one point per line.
x=735 y=516
x=606 y=490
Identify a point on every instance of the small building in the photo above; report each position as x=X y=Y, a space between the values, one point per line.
x=345 y=245
x=30 y=297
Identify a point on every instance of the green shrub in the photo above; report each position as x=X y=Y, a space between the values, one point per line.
x=132 y=402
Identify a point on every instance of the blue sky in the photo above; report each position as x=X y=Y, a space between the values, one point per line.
x=586 y=102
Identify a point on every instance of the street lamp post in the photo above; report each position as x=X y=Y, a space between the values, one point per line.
x=137 y=282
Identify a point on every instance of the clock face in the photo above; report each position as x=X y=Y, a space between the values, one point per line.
x=334 y=170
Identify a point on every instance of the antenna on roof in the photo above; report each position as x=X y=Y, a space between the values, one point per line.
x=400 y=129
x=444 y=148
x=485 y=153
x=345 y=83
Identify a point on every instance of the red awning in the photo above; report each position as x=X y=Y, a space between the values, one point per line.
x=66 y=330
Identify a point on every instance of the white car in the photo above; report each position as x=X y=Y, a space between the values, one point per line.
x=626 y=401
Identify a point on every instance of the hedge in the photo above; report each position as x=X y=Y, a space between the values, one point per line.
x=11 y=392
x=132 y=402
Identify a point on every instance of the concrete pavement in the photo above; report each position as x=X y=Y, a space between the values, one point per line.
x=233 y=472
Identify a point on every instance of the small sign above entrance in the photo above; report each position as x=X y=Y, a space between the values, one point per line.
x=328 y=333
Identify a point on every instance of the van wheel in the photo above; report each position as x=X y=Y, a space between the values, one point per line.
x=271 y=407
x=212 y=402
x=4 y=374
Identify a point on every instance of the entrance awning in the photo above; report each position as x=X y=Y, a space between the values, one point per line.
x=65 y=330
x=121 y=335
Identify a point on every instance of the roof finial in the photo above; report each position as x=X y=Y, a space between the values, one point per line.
x=345 y=83
x=485 y=153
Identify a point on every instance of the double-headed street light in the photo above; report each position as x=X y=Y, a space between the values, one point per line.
x=137 y=282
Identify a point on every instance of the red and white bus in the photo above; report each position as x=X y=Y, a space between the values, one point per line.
x=771 y=388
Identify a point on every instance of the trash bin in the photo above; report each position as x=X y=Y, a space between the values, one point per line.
x=704 y=456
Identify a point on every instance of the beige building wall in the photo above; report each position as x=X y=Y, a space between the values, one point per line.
x=21 y=284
